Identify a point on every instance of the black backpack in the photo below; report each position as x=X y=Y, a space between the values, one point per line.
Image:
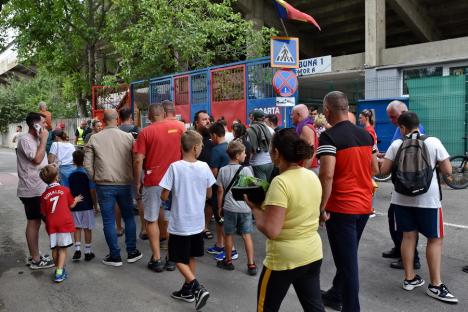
x=412 y=170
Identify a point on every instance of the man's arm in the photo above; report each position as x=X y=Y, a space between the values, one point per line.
x=220 y=194
x=165 y=194
x=215 y=172
x=445 y=167
x=77 y=134
x=89 y=160
x=327 y=171
x=41 y=149
x=137 y=169
x=308 y=135
x=375 y=164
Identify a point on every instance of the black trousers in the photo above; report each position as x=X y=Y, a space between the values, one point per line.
x=397 y=236
x=273 y=286
x=344 y=233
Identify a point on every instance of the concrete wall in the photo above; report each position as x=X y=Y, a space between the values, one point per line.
x=385 y=83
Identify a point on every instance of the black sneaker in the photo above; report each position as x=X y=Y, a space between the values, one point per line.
x=441 y=293
x=112 y=261
x=399 y=265
x=225 y=265
x=392 y=253
x=417 y=281
x=76 y=255
x=184 y=294
x=331 y=301
x=88 y=256
x=252 y=269
x=169 y=265
x=134 y=256
x=201 y=297
x=43 y=263
x=156 y=265
x=465 y=269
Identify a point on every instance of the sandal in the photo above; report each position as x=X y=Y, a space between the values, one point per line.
x=207 y=234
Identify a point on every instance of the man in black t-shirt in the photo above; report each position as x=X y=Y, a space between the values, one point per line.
x=202 y=122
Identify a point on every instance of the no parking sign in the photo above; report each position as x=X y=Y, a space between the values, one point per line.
x=285 y=82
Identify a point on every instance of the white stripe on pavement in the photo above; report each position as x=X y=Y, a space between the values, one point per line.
x=459 y=226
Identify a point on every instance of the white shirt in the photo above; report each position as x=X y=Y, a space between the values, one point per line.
x=29 y=182
x=430 y=199
x=188 y=182
x=229 y=136
x=261 y=158
x=63 y=151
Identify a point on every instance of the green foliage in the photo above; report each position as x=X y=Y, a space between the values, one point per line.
x=22 y=96
x=154 y=37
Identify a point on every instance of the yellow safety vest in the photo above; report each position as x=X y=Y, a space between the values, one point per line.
x=80 y=140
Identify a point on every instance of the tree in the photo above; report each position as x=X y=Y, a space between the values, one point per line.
x=64 y=36
x=19 y=97
x=154 y=37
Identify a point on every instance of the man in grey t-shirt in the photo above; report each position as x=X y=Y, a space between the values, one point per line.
x=31 y=157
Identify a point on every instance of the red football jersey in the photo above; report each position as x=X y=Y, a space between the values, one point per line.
x=55 y=207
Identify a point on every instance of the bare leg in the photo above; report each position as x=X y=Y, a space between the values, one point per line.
x=94 y=199
x=141 y=213
x=32 y=238
x=407 y=253
x=228 y=247
x=62 y=256
x=188 y=271
x=208 y=213
x=55 y=256
x=249 y=248
x=433 y=255
x=152 y=230
x=162 y=224
x=77 y=235
x=88 y=235
x=118 y=219
x=219 y=235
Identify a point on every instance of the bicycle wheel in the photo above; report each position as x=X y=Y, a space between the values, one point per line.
x=382 y=178
x=459 y=178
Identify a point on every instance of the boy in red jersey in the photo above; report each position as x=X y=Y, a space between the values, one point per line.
x=56 y=203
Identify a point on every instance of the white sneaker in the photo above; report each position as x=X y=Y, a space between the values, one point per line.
x=441 y=293
x=417 y=281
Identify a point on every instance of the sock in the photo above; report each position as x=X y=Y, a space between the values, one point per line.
x=59 y=271
x=78 y=246
x=87 y=248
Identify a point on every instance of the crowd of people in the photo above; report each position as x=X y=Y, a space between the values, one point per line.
x=177 y=179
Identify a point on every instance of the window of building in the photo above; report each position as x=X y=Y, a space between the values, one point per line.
x=457 y=71
x=423 y=72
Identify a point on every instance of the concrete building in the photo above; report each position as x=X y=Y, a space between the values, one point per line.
x=375 y=45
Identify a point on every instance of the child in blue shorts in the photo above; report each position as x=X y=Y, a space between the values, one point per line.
x=237 y=215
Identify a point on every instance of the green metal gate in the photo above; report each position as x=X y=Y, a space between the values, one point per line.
x=441 y=104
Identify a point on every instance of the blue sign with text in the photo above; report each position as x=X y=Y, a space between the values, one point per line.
x=284 y=52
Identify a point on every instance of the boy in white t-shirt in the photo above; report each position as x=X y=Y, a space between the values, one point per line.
x=190 y=182
x=421 y=213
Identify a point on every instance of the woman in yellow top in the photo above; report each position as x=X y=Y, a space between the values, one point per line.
x=289 y=218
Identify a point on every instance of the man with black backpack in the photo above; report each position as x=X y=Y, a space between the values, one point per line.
x=417 y=200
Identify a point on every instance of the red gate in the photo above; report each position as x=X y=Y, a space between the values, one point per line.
x=182 y=97
x=228 y=93
x=104 y=97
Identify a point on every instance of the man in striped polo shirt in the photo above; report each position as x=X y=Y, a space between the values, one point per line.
x=347 y=164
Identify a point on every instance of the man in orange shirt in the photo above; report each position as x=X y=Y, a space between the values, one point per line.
x=48 y=115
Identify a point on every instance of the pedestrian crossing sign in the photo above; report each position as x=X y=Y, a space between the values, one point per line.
x=284 y=52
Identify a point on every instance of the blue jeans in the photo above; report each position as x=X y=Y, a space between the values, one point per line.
x=65 y=172
x=344 y=233
x=108 y=195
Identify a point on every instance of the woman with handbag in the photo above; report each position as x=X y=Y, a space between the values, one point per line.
x=61 y=154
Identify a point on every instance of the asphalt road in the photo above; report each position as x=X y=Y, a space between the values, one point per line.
x=95 y=287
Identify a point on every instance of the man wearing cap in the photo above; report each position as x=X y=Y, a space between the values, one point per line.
x=259 y=135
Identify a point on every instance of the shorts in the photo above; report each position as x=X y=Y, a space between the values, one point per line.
x=427 y=221
x=151 y=197
x=61 y=240
x=237 y=222
x=32 y=207
x=84 y=219
x=182 y=248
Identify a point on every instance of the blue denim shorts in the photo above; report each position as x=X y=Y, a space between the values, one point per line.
x=237 y=222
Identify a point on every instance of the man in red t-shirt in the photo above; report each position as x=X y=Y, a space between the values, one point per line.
x=156 y=147
x=347 y=164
